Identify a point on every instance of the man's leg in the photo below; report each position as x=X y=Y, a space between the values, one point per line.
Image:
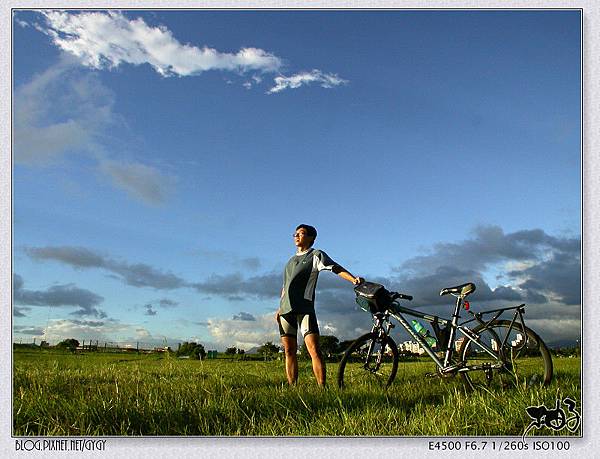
x=318 y=364
x=290 y=349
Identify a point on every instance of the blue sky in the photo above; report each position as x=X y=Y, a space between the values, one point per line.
x=162 y=159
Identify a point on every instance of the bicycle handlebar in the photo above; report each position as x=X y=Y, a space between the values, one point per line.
x=401 y=296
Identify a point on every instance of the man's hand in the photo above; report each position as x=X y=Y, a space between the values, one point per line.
x=350 y=277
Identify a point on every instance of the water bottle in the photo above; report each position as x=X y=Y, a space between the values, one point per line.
x=421 y=330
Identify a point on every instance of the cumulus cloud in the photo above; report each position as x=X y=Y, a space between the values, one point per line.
x=244 y=316
x=234 y=285
x=149 y=310
x=488 y=245
x=558 y=276
x=528 y=266
x=325 y=80
x=67 y=295
x=86 y=330
x=28 y=330
x=107 y=40
x=244 y=334
x=134 y=274
x=557 y=330
x=139 y=180
x=110 y=331
x=166 y=303
x=534 y=267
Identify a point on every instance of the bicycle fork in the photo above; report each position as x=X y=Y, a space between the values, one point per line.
x=382 y=333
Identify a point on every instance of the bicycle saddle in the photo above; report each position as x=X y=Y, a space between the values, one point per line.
x=463 y=289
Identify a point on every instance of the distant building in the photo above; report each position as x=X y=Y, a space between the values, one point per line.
x=519 y=341
x=412 y=347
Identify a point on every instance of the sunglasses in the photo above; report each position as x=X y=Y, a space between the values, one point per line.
x=298 y=234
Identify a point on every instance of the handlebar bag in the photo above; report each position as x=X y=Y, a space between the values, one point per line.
x=372 y=297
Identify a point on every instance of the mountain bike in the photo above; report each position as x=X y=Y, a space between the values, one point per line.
x=489 y=353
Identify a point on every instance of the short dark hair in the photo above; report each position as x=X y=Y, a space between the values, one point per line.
x=311 y=231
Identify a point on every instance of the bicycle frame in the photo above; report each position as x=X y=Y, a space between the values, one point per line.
x=444 y=365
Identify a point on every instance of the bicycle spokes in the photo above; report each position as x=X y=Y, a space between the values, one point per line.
x=370 y=361
x=522 y=360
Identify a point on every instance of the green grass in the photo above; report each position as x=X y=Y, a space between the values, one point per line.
x=129 y=394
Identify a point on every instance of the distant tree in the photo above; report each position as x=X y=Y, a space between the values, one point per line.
x=194 y=350
x=71 y=344
x=343 y=345
x=231 y=351
x=241 y=351
x=268 y=350
x=329 y=345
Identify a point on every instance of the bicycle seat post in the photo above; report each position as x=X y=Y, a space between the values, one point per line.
x=455 y=316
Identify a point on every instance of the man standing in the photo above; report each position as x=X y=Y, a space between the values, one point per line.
x=297 y=305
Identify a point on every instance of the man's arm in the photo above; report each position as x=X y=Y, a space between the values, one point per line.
x=323 y=261
x=346 y=275
x=277 y=312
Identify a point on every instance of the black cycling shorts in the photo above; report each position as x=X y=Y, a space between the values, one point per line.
x=288 y=324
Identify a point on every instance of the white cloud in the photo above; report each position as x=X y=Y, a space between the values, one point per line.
x=104 y=331
x=100 y=330
x=328 y=329
x=244 y=334
x=142 y=333
x=101 y=40
x=556 y=329
x=59 y=111
x=325 y=80
x=63 y=111
x=139 y=180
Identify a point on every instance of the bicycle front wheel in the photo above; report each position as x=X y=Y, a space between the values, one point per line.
x=369 y=362
x=523 y=360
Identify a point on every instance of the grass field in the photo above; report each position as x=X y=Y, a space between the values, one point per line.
x=127 y=394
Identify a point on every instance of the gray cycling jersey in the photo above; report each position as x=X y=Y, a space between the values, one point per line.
x=300 y=280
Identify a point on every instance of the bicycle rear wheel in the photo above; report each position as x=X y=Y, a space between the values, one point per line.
x=525 y=361
x=370 y=361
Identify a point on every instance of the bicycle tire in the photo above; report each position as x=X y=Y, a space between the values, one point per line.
x=526 y=363
x=361 y=368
